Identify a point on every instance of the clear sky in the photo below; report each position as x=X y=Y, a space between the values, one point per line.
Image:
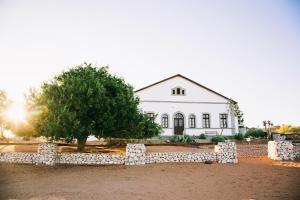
x=248 y=50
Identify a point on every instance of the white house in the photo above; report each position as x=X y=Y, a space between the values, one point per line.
x=183 y=106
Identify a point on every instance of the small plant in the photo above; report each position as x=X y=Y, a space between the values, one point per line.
x=219 y=138
x=239 y=136
x=257 y=133
x=202 y=136
x=181 y=139
x=187 y=139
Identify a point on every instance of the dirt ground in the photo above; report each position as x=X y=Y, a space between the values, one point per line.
x=251 y=178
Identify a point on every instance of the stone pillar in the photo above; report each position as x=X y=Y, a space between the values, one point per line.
x=280 y=150
x=46 y=154
x=135 y=154
x=226 y=152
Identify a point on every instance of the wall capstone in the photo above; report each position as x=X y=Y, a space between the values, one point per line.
x=135 y=154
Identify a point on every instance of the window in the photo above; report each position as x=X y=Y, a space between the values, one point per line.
x=178 y=91
x=223 y=120
x=206 y=121
x=192 y=121
x=151 y=115
x=165 y=121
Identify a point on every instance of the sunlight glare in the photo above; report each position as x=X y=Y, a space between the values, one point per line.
x=16 y=113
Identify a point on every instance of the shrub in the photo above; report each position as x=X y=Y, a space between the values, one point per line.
x=181 y=139
x=187 y=139
x=239 y=136
x=219 y=138
x=202 y=136
x=256 y=133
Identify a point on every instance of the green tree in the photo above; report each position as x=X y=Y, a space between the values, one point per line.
x=87 y=101
x=288 y=129
x=236 y=111
x=4 y=103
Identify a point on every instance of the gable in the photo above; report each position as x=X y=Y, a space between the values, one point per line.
x=193 y=91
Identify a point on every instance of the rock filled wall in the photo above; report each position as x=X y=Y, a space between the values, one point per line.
x=135 y=154
x=46 y=154
x=179 y=157
x=280 y=150
x=296 y=150
x=226 y=152
x=18 y=157
x=90 y=159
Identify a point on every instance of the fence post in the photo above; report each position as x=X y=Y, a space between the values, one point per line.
x=46 y=154
x=226 y=152
x=280 y=150
x=135 y=154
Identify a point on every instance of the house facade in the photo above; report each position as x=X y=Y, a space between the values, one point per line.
x=183 y=106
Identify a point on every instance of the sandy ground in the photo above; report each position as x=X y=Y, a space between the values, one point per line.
x=251 y=178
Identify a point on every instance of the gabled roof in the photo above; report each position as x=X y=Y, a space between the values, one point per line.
x=179 y=75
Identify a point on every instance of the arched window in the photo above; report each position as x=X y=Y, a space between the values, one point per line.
x=165 y=121
x=192 y=121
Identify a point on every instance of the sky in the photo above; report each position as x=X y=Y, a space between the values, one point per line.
x=247 y=50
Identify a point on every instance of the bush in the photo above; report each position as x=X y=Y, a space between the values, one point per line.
x=256 y=133
x=181 y=139
x=219 y=138
x=239 y=136
x=202 y=136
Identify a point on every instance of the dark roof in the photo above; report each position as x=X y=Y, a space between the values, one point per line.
x=179 y=75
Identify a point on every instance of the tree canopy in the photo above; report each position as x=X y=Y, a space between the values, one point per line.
x=288 y=129
x=84 y=101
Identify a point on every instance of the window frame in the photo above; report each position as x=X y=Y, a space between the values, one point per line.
x=165 y=120
x=151 y=115
x=222 y=124
x=206 y=123
x=182 y=91
x=192 y=121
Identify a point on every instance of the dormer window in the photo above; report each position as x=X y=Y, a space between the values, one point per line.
x=178 y=91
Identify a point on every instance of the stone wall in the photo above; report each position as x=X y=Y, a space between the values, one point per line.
x=18 y=157
x=179 y=157
x=226 y=152
x=90 y=159
x=135 y=154
x=280 y=150
x=296 y=149
x=46 y=154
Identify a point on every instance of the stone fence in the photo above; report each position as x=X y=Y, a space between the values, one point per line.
x=225 y=152
x=283 y=150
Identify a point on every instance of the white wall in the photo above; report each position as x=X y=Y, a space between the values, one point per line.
x=197 y=100
x=197 y=109
x=194 y=93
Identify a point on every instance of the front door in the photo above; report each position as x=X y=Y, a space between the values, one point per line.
x=178 y=124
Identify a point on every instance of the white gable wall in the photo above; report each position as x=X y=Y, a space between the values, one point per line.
x=197 y=100
x=162 y=92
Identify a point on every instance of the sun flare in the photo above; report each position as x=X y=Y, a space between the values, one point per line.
x=16 y=113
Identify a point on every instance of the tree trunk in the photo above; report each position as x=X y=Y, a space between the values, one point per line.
x=81 y=144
